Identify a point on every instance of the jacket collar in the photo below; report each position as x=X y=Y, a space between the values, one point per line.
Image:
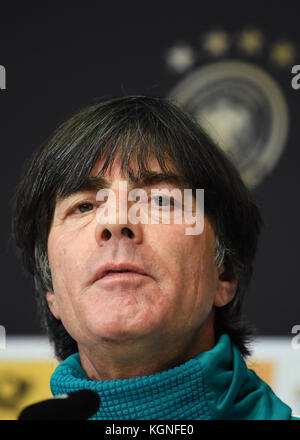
x=215 y=384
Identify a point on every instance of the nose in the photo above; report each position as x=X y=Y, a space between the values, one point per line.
x=107 y=230
x=118 y=231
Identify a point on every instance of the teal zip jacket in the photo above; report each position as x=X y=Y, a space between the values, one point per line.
x=214 y=385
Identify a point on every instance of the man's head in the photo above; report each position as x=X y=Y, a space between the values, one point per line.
x=193 y=284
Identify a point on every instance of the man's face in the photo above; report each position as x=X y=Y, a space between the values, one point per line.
x=173 y=300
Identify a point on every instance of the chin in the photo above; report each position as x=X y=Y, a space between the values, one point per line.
x=132 y=323
x=123 y=334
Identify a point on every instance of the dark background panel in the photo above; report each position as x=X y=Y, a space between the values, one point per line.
x=59 y=58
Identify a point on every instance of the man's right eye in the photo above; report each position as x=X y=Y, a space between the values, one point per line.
x=84 y=207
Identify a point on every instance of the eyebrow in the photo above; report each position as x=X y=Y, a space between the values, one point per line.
x=93 y=183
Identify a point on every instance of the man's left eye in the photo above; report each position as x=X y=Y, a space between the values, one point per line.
x=163 y=201
x=84 y=207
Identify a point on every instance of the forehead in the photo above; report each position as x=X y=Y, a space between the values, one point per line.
x=103 y=176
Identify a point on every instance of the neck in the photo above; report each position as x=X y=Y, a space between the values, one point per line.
x=113 y=360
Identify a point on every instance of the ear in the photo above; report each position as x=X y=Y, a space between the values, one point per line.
x=52 y=303
x=227 y=287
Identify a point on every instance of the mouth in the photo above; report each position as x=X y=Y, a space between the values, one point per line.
x=123 y=271
x=122 y=275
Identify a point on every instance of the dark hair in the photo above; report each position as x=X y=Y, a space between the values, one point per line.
x=147 y=126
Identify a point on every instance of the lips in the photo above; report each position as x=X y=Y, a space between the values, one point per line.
x=110 y=268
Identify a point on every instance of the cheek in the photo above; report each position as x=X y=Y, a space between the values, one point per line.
x=206 y=285
x=64 y=258
x=179 y=265
x=197 y=274
x=181 y=254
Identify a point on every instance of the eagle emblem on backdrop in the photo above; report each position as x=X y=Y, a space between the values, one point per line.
x=241 y=104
